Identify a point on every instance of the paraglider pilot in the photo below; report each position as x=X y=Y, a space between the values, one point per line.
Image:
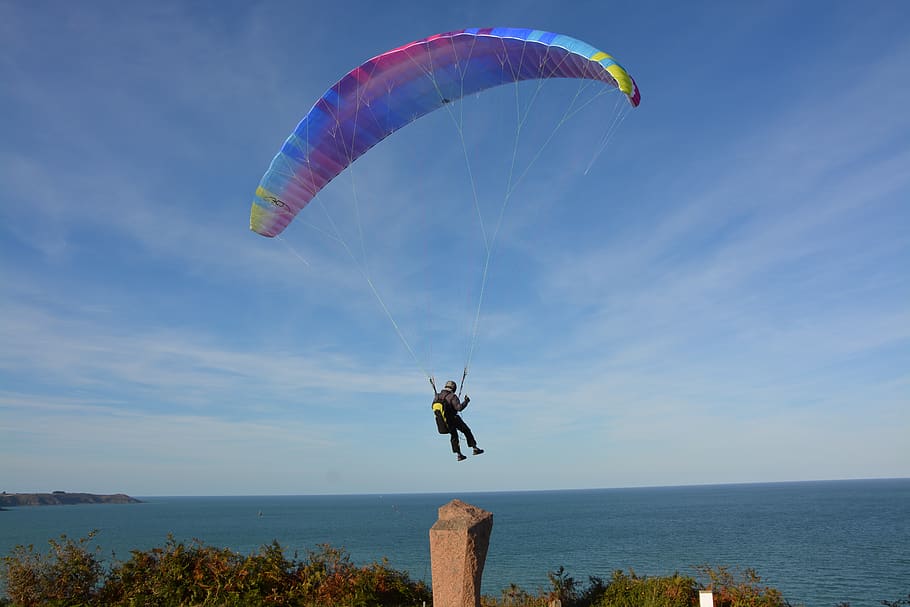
x=451 y=405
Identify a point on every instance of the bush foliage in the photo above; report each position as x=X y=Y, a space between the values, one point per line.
x=67 y=575
x=180 y=574
x=630 y=590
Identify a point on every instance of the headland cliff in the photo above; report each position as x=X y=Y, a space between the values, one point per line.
x=60 y=498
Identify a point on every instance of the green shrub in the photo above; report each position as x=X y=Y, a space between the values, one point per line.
x=622 y=591
x=634 y=591
x=514 y=596
x=68 y=574
x=733 y=588
x=178 y=575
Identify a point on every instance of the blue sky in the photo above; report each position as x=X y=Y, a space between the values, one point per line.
x=724 y=295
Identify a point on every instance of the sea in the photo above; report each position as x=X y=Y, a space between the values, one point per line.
x=821 y=543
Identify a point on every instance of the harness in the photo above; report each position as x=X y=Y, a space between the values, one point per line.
x=439 y=412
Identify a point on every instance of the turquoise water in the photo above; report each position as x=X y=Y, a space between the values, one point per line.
x=820 y=543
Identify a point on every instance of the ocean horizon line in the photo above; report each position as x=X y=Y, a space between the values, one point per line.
x=529 y=491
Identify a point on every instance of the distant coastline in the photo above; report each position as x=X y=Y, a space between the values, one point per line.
x=62 y=498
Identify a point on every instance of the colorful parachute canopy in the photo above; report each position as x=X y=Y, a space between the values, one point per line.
x=397 y=87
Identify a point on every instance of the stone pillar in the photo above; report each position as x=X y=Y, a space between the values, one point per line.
x=458 y=549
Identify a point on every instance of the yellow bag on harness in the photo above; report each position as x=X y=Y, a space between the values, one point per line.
x=439 y=413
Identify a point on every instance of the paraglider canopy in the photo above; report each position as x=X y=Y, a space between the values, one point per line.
x=395 y=88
